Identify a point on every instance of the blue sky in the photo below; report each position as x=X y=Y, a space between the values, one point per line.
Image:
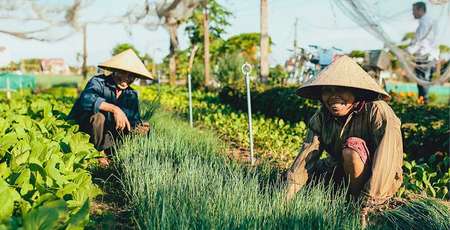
x=321 y=22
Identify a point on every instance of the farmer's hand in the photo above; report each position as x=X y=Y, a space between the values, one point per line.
x=103 y=162
x=142 y=128
x=121 y=120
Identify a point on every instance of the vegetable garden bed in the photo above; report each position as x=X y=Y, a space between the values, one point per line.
x=179 y=177
x=44 y=162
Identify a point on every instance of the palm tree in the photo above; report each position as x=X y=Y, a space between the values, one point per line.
x=264 y=43
x=206 y=44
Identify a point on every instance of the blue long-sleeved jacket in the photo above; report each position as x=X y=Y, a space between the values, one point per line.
x=103 y=89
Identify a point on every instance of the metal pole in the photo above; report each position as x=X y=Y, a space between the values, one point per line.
x=246 y=69
x=191 y=122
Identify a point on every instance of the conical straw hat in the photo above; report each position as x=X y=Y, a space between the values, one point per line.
x=127 y=61
x=344 y=72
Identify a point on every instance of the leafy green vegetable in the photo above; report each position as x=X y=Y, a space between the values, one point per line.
x=44 y=182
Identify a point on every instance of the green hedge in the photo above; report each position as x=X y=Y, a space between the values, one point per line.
x=279 y=102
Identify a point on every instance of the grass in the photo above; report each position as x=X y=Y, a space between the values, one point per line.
x=415 y=215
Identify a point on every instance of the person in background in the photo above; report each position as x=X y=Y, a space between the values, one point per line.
x=424 y=47
x=358 y=129
x=108 y=107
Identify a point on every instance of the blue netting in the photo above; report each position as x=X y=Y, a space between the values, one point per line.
x=17 y=81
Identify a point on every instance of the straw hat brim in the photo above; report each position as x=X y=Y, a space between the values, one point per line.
x=315 y=92
x=138 y=75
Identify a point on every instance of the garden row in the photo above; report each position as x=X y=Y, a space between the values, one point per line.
x=44 y=161
x=277 y=141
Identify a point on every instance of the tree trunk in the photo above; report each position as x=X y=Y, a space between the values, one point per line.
x=264 y=43
x=206 y=45
x=172 y=55
x=84 y=65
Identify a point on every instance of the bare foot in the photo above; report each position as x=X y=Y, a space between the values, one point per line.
x=104 y=162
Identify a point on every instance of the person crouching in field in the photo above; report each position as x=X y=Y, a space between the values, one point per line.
x=108 y=107
x=357 y=128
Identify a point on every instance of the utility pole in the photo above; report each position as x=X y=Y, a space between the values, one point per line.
x=206 y=44
x=264 y=43
x=296 y=53
x=84 y=65
x=295 y=35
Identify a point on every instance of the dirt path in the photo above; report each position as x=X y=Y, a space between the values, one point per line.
x=109 y=211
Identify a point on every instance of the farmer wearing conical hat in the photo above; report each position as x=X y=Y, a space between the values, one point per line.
x=357 y=128
x=108 y=106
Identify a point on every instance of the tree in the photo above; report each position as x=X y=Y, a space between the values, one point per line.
x=218 y=17
x=278 y=75
x=45 y=18
x=173 y=14
x=357 y=54
x=230 y=69
x=246 y=44
x=264 y=43
x=205 y=27
x=50 y=22
x=409 y=36
x=206 y=44
x=148 y=62
x=119 y=48
x=84 y=69
x=444 y=49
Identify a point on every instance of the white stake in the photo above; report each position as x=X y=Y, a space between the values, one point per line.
x=191 y=122
x=246 y=69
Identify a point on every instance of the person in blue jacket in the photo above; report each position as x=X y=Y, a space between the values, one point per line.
x=108 y=107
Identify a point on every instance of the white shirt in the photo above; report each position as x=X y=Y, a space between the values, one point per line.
x=424 y=42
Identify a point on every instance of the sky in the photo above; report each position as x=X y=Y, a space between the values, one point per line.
x=321 y=23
